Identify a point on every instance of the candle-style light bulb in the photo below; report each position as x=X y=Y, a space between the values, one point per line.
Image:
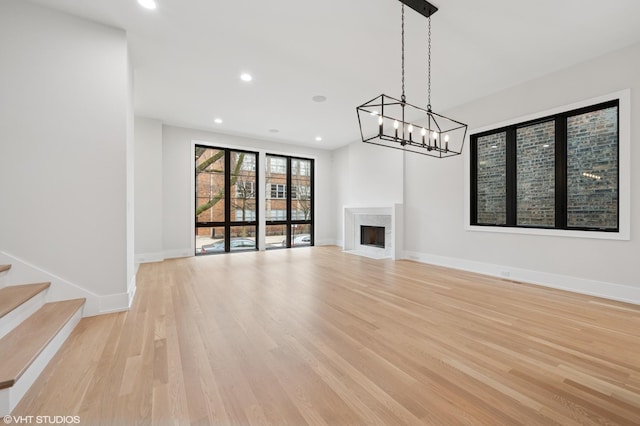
x=410 y=129
x=423 y=132
x=395 y=126
x=446 y=143
x=380 y=121
x=435 y=139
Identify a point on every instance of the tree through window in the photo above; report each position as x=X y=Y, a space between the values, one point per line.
x=225 y=182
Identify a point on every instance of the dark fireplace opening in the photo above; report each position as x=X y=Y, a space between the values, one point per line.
x=372 y=236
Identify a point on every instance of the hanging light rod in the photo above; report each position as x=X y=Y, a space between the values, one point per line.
x=423 y=7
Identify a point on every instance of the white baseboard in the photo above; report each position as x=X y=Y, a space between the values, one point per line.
x=160 y=256
x=132 y=290
x=149 y=257
x=613 y=291
x=22 y=272
x=189 y=252
x=111 y=303
x=325 y=242
x=173 y=254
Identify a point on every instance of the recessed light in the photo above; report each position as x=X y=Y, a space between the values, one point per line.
x=318 y=139
x=246 y=77
x=273 y=130
x=319 y=98
x=148 y=4
x=218 y=121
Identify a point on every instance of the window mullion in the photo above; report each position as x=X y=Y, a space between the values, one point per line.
x=227 y=200
x=561 y=172
x=511 y=177
x=474 y=180
x=312 y=200
x=288 y=201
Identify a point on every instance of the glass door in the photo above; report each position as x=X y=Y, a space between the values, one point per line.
x=289 y=202
x=226 y=190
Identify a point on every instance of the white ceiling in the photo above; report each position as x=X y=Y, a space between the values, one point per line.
x=188 y=55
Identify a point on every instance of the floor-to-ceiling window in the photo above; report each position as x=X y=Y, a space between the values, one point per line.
x=288 y=201
x=226 y=190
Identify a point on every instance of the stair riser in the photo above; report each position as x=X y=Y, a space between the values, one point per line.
x=10 y=397
x=21 y=313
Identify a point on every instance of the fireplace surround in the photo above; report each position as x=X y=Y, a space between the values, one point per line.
x=387 y=217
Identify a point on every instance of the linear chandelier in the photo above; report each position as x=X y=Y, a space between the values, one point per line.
x=397 y=124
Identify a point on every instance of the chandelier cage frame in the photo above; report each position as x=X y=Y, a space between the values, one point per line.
x=395 y=123
x=409 y=135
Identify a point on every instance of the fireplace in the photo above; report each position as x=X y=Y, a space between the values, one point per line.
x=383 y=239
x=372 y=236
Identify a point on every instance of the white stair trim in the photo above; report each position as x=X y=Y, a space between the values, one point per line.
x=24 y=272
x=21 y=313
x=3 y=274
x=10 y=397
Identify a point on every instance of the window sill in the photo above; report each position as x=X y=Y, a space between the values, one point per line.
x=621 y=236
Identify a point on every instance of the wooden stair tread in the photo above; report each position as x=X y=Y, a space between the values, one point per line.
x=13 y=296
x=23 y=344
x=4 y=268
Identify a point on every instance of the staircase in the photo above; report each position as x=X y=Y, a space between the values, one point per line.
x=31 y=332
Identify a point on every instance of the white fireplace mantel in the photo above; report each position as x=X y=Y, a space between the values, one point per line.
x=389 y=215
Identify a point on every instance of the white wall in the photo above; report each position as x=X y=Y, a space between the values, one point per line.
x=64 y=122
x=177 y=196
x=435 y=194
x=366 y=175
x=376 y=175
x=341 y=182
x=434 y=197
x=130 y=203
x=148 y=190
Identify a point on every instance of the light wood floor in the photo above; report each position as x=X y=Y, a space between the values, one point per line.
x=316 y=336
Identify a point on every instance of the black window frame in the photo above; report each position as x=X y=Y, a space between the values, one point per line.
x=229 y=223
x=561 y=183
x=289 y=221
